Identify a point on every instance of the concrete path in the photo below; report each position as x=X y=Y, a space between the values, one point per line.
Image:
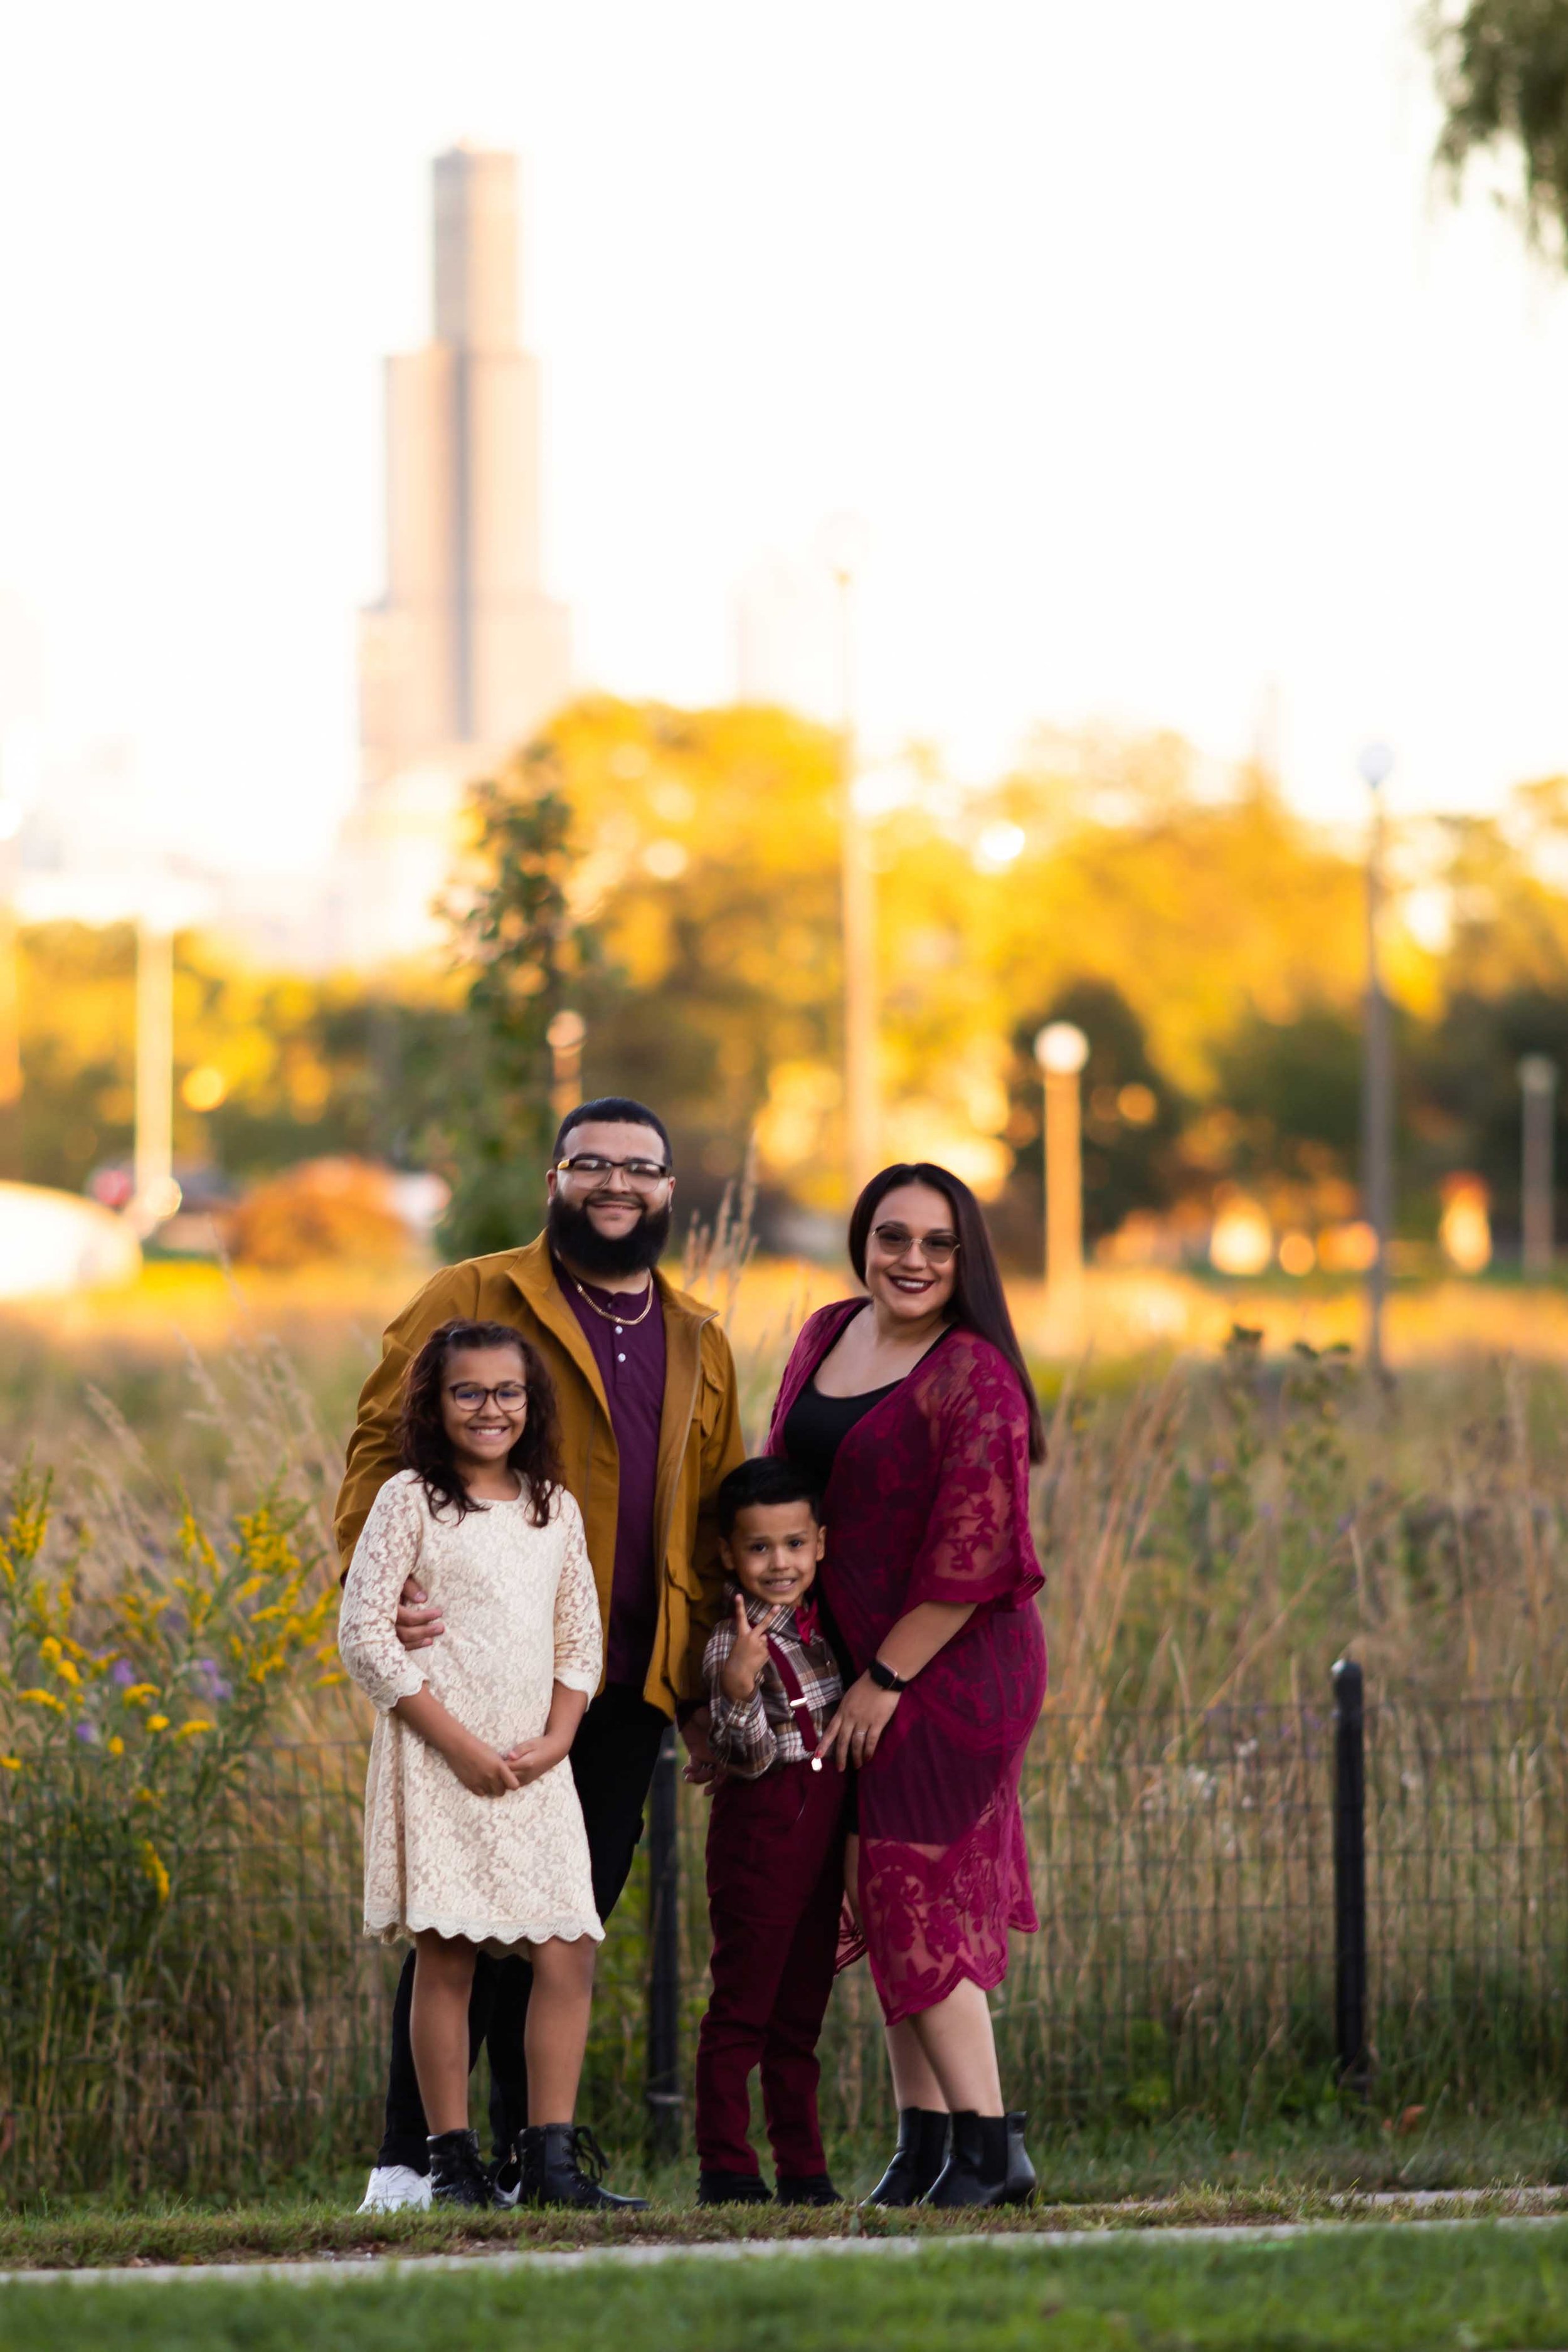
x=312 y=2270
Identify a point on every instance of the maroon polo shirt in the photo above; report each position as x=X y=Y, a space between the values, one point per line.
x=629 y=1348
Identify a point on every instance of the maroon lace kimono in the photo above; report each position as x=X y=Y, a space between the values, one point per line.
x=928 y=1500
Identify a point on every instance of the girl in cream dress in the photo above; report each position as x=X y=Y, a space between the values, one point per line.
x=473 y=1833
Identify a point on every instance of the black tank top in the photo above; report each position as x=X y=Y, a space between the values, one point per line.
x=816 y=1426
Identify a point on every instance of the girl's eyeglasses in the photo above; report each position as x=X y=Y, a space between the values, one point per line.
x=936 y=1248
x=467 y=1396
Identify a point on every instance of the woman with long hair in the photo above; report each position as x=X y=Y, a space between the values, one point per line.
x=912 y=1409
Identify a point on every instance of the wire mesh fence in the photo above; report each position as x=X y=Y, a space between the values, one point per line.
x=233 y=2026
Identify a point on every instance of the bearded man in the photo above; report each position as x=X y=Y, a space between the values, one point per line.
x=650 y=1427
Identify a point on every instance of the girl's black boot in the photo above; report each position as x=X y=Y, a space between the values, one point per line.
x=563 y=2163
x=457 y=2176
x=917 y=2159
x=975 y=2172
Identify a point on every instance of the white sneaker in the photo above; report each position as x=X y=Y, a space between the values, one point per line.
x=397 y=2189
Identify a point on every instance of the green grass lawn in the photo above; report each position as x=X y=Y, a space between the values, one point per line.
x=1382 y=2289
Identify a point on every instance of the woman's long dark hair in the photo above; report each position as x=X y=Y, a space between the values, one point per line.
x=979 y=1301
x=422 y=1434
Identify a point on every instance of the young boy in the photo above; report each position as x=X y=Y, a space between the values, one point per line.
x=776 y=1845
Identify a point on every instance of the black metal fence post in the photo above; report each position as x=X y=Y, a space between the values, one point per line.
x=1350 y=1877
x=663 y=2061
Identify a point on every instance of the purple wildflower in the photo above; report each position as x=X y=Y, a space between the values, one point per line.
x=123 y=1672
x=86 y=1732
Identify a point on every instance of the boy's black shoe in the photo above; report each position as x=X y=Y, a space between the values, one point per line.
x=917 y=2160
x=1021 y=2181
x=975 y=2172
x=563 y=2163
x=731 y=2188
x=806 y=2188
x=457 y=2175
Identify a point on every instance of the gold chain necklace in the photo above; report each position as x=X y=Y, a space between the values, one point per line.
x=621 y=1322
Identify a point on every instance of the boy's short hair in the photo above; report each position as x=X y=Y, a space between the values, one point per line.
x=766 y=1478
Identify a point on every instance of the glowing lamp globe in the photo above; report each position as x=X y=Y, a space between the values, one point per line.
x=1061 y=1049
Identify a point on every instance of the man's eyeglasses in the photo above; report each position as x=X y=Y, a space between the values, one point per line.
x=467 y=1396
x=588 y=1168
x=936 y=1248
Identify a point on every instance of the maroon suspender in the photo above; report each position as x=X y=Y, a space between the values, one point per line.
x=800 y=1706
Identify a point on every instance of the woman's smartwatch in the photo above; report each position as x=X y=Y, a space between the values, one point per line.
x=885 y=1678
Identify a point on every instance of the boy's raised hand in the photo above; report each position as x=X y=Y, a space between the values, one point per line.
x=743 y=1667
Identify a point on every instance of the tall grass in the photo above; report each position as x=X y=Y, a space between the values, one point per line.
x=1213 y=1534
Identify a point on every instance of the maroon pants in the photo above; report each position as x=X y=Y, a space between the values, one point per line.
x=775 y=1885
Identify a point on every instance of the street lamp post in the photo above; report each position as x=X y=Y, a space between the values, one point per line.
x=857 y=890
x=1061 y=1050
x=154 y=1195
x=564 y=1038
x=1538 y=1085
x=1377 y=1069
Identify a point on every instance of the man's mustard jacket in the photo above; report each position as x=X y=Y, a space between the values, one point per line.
x=699 y=1437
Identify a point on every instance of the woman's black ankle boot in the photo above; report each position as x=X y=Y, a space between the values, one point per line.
x=975 y=2172
x=1021 y=2181
x=457 y=2176
x=917 y=2159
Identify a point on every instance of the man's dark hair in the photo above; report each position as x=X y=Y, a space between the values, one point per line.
x=619 y=1109
x=766 y=1478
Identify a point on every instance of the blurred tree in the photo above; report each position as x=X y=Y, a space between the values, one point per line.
x=705 y=856
x=1502 y=72
x=522 y=951
x=1469 y=1080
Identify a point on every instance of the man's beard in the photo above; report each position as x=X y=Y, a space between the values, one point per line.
x=575 y=1238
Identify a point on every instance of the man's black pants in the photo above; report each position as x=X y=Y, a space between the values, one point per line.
x=613 y=1758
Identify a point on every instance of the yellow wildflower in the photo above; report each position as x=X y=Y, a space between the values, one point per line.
x=153 y=1864
x=68 y=1672
x=11 y=1763
x=49 y=1649
x=138 y=1693
x=329 y=1682
x=117 y=1746
x=157 y=1723
x=188 y=1730
x=43 y=1698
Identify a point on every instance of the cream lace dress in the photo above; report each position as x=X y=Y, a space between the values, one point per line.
x=522 y=1613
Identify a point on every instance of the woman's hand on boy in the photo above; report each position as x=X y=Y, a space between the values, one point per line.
x=741 y=1670
x=419 y=1618
x=531 y=1758
x=862 y=1715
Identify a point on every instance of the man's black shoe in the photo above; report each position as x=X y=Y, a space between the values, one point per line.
x=806 y=2188
x=731 y=2188
x=918 y=2159
x=563 y=2163
x=457 y=2176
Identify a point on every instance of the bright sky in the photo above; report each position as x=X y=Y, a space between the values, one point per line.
x=1140 y=335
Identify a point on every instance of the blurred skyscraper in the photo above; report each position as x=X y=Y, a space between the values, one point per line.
x=464 y=655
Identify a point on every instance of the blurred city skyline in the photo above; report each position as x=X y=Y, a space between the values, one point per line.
x=1172 y=391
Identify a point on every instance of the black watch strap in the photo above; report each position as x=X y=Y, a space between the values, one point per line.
x=884 y=1677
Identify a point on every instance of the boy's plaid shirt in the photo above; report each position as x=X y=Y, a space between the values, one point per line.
x=748 y=1737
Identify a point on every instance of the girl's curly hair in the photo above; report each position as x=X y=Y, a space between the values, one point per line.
x=422 y=1437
